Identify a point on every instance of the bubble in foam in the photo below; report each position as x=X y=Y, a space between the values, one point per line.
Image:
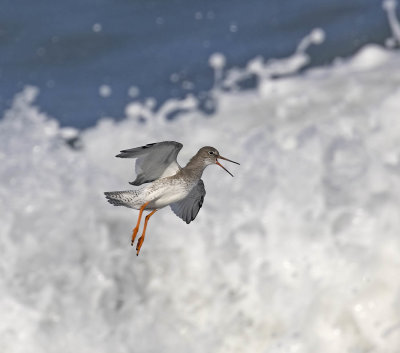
x=133 y=91
x=133 y=109
x=233 y=27
x=317 y=36
x=105 y=91
x=150 y=103
x=97 y=27
x=174 y=77
x=217 y=61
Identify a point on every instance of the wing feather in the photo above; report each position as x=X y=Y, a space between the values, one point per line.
x=189 y=207
x=154 y=160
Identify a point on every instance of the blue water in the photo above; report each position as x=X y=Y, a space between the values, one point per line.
x=70 y=48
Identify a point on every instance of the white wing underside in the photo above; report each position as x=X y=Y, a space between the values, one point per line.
x=154 y=161
x=189 y=207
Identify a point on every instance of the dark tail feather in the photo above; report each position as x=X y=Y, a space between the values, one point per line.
x=116 y=198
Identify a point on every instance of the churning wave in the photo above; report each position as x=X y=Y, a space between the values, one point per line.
x=298 y=253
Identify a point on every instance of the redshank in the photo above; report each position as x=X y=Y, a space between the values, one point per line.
x=168 y=183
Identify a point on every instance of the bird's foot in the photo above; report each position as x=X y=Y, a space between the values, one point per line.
x=139 y=245
x=135 y=231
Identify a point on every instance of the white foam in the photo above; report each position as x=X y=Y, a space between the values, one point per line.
x=298 y=253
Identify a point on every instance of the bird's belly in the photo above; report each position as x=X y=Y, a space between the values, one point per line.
x=173 y=194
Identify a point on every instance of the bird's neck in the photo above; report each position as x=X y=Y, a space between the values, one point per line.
x=194 y=169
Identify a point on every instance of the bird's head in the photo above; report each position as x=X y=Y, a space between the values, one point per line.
x=210 y=155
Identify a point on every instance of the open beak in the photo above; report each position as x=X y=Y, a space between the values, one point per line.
x=226 y=159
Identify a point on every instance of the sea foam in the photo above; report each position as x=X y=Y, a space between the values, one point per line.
x=300 y=252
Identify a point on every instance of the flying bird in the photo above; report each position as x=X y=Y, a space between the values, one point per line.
x=167 y=182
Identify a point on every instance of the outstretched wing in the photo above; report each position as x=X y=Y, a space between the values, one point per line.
x=155 y=160
x=189 y=207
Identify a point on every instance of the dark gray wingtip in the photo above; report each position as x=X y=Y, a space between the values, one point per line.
x=123 y=154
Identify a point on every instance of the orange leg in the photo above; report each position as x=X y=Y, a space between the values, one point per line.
x=141 y=239
x=136 y=229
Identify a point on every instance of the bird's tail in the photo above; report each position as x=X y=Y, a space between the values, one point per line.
x=121 y=198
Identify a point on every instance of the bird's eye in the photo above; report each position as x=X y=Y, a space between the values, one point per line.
x=210 y=152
